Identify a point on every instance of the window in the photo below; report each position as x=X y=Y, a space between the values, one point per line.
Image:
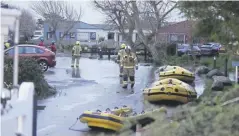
x=83 y=36
x=92 y=35
x=39 y=51
x=49 y=35
x=60 y=34
x=30 y=50
x=72 y=35
x=11 y=51
x=111 y=36
x=37 y=33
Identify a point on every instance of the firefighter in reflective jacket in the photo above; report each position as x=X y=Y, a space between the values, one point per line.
x=76 y=50
x=129 y=63
x=120 y=54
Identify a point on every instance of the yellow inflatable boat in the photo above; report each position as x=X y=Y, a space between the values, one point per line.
x=169 y=92
x=178 y=73
x=173 y=81
x=109 y=119
x=166 y=68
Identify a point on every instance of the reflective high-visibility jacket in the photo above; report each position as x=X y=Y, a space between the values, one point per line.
x=120 y=54
x=76 y=50
x=129 y=60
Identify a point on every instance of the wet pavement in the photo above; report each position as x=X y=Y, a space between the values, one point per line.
x=95 y=85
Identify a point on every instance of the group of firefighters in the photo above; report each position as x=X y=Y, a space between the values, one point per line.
x=127 y=61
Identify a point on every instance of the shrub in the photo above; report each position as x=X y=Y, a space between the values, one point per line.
x=175 y=60
x=29 y=71
x=220 y=62
x=171 y=49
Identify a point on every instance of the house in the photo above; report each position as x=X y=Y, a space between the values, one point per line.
x=88 y=34
x=179 y=32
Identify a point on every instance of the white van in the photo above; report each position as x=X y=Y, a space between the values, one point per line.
x=37 y=34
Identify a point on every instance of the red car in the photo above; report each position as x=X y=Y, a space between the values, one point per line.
x=45 y=57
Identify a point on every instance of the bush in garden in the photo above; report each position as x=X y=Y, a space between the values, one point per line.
x=29 y=71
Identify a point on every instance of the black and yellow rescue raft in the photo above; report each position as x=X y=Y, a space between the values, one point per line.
x=174 y=81
x=178 y=73
x=110 y=119
x=170 y=92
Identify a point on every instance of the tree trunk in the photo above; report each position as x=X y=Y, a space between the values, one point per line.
x=158 y=55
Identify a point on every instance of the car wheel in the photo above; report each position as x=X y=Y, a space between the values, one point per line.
x=43 y=64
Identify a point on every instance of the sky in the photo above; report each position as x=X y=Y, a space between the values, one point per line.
x=90 y=14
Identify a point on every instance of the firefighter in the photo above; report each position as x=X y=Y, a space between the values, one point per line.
x=129 y=63
x=120 y=53
x=76 y=50
x=6 y=45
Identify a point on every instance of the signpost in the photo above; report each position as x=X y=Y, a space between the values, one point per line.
x=236 y=64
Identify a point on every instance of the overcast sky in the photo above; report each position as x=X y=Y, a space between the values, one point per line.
x=90 y=14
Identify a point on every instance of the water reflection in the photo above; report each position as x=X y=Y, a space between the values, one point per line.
x=76 y=72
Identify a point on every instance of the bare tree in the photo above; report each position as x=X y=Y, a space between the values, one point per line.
x=27 y=24
x=58 y=14
x=119 y=16
x=144 y=16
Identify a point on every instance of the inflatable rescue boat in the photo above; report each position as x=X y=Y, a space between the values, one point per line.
x=173 y=81
x=169 y=92
x=178 y=73
x=109 y=119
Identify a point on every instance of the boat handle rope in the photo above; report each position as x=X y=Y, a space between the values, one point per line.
x=71 y=127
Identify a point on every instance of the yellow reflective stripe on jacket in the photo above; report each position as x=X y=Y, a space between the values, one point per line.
x=128 y=66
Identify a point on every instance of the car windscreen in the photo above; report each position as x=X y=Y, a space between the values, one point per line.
x=37 y=33
x=206 y=46
x=180 y=47
x=183 y=47
x=196 y=48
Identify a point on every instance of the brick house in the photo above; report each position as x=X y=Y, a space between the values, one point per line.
x=179 y=32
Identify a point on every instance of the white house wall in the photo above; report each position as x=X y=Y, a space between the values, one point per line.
x=99 y=32
x=104 y=33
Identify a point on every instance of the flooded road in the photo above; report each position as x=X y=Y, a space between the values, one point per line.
x=95 y=85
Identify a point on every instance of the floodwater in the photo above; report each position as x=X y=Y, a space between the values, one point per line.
x=95 y=85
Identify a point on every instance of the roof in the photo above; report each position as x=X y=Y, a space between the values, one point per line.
x=180 y=27
x=83 y=25
x=103 y=26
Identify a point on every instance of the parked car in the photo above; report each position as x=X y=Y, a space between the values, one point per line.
x=222 y=49
x=186 y=49
x=44 y=56
x=210 y=49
